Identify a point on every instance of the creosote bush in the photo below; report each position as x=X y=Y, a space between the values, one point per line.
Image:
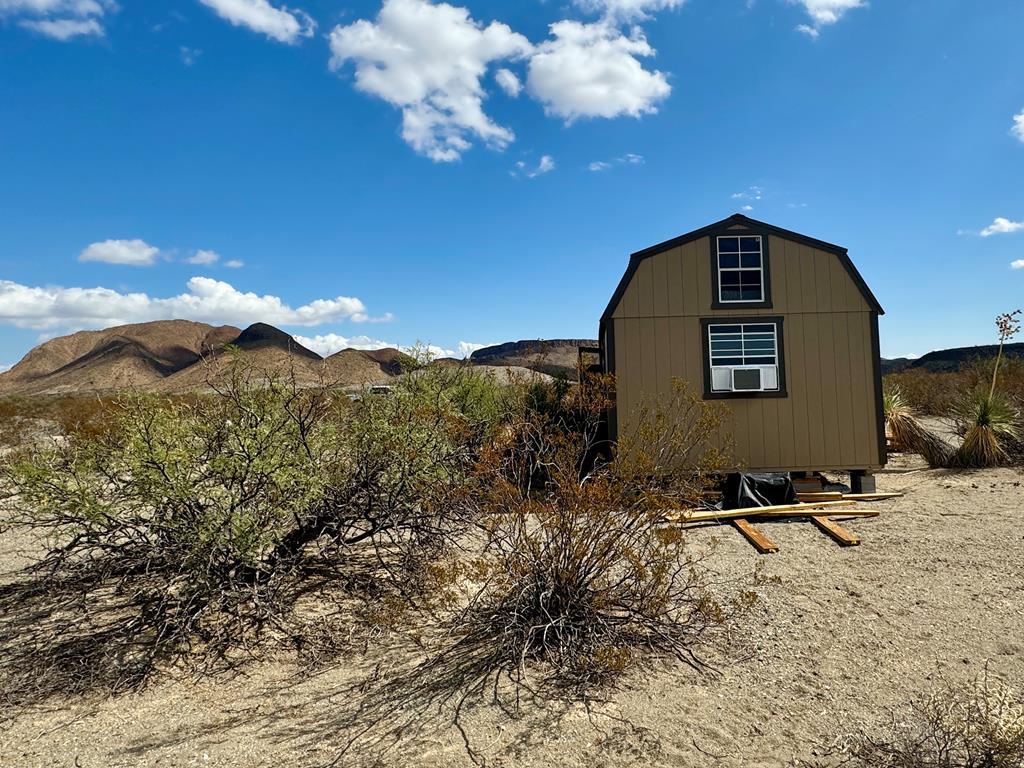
x=977 y=725
x=188 y=527
x=580 y=577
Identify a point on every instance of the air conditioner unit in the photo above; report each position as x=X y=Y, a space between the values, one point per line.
x=747 y=380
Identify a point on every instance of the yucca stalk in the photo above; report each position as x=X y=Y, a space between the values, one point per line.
x=1008 y=326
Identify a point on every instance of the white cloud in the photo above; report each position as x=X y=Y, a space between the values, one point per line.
x=206 y=300
x=627 y=159
x=467 y=348
x=509 y=82
x=189 y=55
x=282 y=24
x=1018 y=264
x=6 y=367
x=234 y=263
x=1001 y=226
x=545 y=165
x=59 y=19
x=825 y=12
x=750 y=193
x=203 y=257
x=748 y=208
x=592 y=70
x=1018 y=126
x=627 y=10
x=428 y=60
x=328 y=343
x=136 y=253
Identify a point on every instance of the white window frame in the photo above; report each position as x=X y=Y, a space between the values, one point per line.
x=775 y=369
x=740 y=268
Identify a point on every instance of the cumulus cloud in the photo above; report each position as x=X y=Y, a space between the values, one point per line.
x=1018 y=264
x=627 y=10
x=593 y=70
x=203 y=257
x=1018 y=126
x=428 y=60
x=327 y=344
x=59 y=19
x=4 y=367
x=825 y=12
x=509 y=82
x=136 y=253
x=282 y=24
x=234 y=263
x=1002 y=226
x=467 y=348
x=205 y=299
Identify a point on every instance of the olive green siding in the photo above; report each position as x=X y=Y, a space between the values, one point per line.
x=829 y=416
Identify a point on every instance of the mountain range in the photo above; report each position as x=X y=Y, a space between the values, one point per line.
x=179 y=356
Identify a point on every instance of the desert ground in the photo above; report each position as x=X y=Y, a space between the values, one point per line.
x=934 y=594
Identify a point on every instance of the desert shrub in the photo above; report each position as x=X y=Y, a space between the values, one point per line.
x=989 y=424
x=183 y=530
x=908 y=434
x=977 y=725
x=580 y=576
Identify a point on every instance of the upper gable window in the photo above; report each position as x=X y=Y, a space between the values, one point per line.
x=741 y=269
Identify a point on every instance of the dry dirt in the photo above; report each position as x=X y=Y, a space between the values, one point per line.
x=935 y=593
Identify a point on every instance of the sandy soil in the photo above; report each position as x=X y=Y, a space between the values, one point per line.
x=935 y=593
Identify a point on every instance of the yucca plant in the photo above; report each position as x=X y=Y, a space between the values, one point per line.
x=908 y=433
x=988 y=421
x=902 y=424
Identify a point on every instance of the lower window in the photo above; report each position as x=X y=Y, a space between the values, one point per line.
x=744 y=357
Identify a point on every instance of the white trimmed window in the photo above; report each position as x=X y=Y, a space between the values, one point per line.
x=744 y=357
x=740 y=269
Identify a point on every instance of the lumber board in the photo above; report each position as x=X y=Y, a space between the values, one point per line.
x=751 y=533
x=871 y=496
x=819 y=496
x=780 y=510
x=836 y=531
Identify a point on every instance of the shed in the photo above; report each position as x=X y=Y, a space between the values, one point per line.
x=778 y=326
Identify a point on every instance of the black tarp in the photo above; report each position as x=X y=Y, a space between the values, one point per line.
x=742 y=491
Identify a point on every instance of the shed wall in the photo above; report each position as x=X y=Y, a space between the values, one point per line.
x=828 y=420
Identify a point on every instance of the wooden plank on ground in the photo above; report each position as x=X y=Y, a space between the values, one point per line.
x=871 y=496
x=761 y=543
x=836 y=531
x=780 y=510
x=821 y=496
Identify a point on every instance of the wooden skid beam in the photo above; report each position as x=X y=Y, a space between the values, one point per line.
x=836 y=531
x=761 y=543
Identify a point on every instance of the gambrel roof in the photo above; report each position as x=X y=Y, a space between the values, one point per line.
x=821 y=245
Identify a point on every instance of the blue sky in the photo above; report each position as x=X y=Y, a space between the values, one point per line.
x=465 y=174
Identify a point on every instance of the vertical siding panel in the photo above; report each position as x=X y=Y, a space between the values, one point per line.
x=701 y=259
x=645 y=288
x=674 y=277
x=862 y=393
x=628 y=303
x=812 y=376
x=634 y=376
x=796 y=384
x=663 y=347
x=845 y=394
x=809 y=287
x=693 y=301
x=827 y=386
x=794 y=276
x=778 y=261
x=659 y=273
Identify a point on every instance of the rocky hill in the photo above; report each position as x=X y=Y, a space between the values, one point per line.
x=555 y=357
x=950 y=359
x=177 y=356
